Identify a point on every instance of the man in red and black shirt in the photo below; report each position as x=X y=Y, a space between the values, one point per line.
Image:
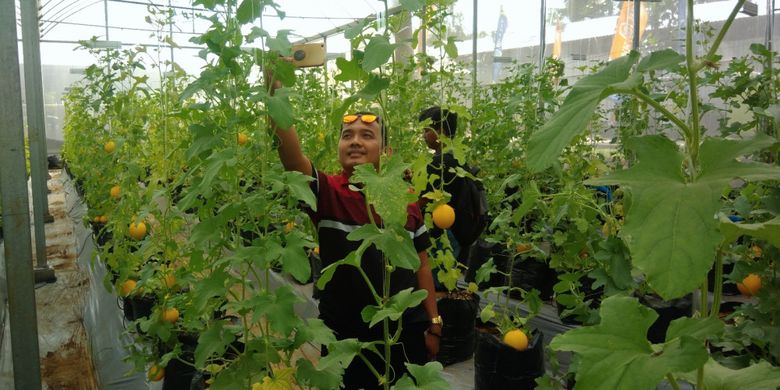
x=339 y=212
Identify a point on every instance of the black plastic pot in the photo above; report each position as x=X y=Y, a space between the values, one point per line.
x=54 y=162
x=480 y=253
x=180 y=373
x=527 y=273
x=499 y=366
x=137 y=306
x=103 y=236
x=667 y=312
x=458 y=340
x=533 y=274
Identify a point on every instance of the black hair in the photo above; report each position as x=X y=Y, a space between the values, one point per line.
x=442 y=120
x=381 y=125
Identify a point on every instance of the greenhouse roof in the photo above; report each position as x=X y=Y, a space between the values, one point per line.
x=132 y=22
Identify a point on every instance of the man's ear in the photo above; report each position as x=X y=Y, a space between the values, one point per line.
x=388 y=150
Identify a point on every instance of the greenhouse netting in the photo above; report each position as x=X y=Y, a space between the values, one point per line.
x=448 y=194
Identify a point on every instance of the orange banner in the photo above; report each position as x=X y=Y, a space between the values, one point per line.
x=624 y=31
x=556 y=52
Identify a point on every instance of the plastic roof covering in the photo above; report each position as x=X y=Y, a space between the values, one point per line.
x=66 y=21
x=585 y=37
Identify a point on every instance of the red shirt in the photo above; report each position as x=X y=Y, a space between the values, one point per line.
x=339 y=212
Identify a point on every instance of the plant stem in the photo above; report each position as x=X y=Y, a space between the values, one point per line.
x=381 y=301
x=386 y=323
x=700 y=379
x=686 y=131
x=705 y=294
x=715 y=310
x=672 y=382
x=722 y=33
x=370 y=367
x=692 y=142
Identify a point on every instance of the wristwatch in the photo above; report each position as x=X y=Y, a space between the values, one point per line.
x=437 y=321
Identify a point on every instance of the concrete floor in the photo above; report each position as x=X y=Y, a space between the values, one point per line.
x=66 y=361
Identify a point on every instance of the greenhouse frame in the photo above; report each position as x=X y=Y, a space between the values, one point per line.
x=389 y=194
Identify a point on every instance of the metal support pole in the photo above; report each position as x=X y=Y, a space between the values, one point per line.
x=105 y=16
x=542 y=34
x=170 y=29
x=16 y=215
x=770 y=23
x=474 y=70
x=325 y=64
x=635 y=29
x=36 y=133
x=682 y=16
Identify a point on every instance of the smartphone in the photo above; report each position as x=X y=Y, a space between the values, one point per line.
x=308 y=54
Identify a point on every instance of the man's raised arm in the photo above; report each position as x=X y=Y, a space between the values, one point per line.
x=290 y=152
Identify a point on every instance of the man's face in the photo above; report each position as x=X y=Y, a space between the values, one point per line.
x=360 y=143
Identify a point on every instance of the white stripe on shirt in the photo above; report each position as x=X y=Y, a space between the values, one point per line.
x=329 y=223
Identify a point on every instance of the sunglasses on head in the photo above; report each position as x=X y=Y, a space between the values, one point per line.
x=366 y=118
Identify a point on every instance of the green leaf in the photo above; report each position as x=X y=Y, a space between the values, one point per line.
x=530 y=195
x=208 y=230
x=697 y=328
x=321 y=377
x=203 y=140
x=670 y=227
x=294 y=259
x=484 y=271
x=330 y=368
x=758 y=376
x=719 y=163
x=212 y=342
x=249 y=10
x=615 y=354
x=378 y=51
x=412 y=5
x=298 y=185
x=386 y=190
x=191 y=89
x=662 y=59
x=210 y=4
x=394 y=241
x=772 y=111
x=395 y=306
x=427 y=377
x=212 y=286
x=316 y=332
x=285 y=72
x=487 y=313
x=281 y=43
x=355 y=30
x=278 y=306
x=353 y=259
x=375 y=85
x=577 y=110
x=280 y=109
x=769 y=230
x=450 y=48
x=350 y=70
